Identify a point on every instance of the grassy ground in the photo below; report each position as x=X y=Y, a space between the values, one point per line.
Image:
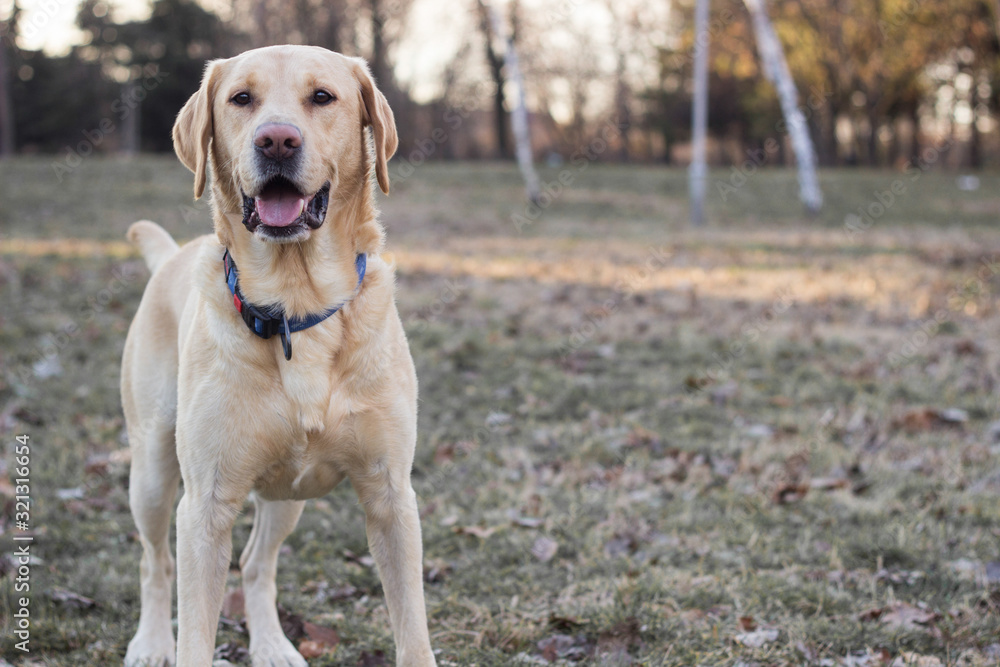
x=763 y=442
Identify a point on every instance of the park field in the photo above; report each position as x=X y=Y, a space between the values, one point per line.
x=773 y=440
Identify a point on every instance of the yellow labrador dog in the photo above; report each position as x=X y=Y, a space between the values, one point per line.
x=269 y=358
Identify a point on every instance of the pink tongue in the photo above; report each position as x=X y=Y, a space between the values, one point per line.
x=280 y=209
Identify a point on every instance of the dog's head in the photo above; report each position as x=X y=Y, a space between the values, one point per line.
x=284 y=128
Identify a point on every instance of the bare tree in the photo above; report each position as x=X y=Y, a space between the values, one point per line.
x=522 y=132
x=776 y=71
x=699 y=114
x=495 y=60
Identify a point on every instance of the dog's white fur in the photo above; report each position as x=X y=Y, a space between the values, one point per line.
x=208 y=402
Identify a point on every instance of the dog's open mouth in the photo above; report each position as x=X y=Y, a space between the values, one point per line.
x=282 y=211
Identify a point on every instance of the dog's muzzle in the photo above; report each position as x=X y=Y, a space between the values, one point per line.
x=282 y=210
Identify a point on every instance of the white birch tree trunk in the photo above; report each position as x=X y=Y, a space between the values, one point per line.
x=776 y=71
x=519 y=114
x=698 y=172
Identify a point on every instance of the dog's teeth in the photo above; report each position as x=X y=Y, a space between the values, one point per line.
x=302 y=207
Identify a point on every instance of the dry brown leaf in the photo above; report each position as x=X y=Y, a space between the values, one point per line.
x=926 y=419
x=365 y=561
x=233 y=604
x=790 y=493
x=291 y=624
x=310 y=649
x=564 y=623
x=477 y=531
x=374 y=659
x=321 y=634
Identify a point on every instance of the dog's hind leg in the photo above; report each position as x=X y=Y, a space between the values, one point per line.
x=152 y=488
x=273 y=521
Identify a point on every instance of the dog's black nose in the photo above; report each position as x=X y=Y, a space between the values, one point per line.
x=278 y=141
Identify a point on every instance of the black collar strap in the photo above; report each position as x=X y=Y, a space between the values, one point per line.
x=266 y=322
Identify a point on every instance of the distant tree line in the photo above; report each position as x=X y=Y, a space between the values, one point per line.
x=879 y=81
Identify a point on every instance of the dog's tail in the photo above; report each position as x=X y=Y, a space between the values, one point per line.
x=154 y=242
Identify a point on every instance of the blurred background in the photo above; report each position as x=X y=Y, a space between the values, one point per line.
x=877 y=81
x=773 y=439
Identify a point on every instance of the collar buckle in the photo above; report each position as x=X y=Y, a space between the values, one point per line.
x=267 y=322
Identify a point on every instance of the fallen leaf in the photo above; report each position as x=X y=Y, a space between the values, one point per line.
x=321 y=634
x=757 y=638
x=365 y=561
x=444 y=453
x=435 y=571
x=291 y=624
x=71 y=599
x=829 y=483
x=544 y=549
x=565 y=622
x=621 y=637
x=926 y=419
x=909 y=617
x=904 y=616
x=310 y=649
x=375 y=659
x=747 y=624
x=790 y=493
x=97 y=465
x=527 y=521
x=476 y=531
x=562 y=646
x=76 y=493
x=641 y=438
x=622 y=545
x=233 y=604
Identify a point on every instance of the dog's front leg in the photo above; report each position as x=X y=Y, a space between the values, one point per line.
x=393 y=526
x=204 y=546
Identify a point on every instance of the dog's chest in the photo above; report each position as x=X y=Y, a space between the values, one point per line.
x=316 y=422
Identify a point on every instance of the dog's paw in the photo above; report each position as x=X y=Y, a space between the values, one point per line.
x=146 y=651
x=275 y=652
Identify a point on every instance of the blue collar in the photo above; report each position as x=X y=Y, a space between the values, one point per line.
x=265 y=322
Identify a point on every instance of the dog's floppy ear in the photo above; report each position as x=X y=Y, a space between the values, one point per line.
x=376 y=112
x=193 y=128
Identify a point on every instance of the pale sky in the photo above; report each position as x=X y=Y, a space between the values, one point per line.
x=573 y=32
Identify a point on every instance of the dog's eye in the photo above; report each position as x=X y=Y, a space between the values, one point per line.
x=321 y=97
x=241 y=99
